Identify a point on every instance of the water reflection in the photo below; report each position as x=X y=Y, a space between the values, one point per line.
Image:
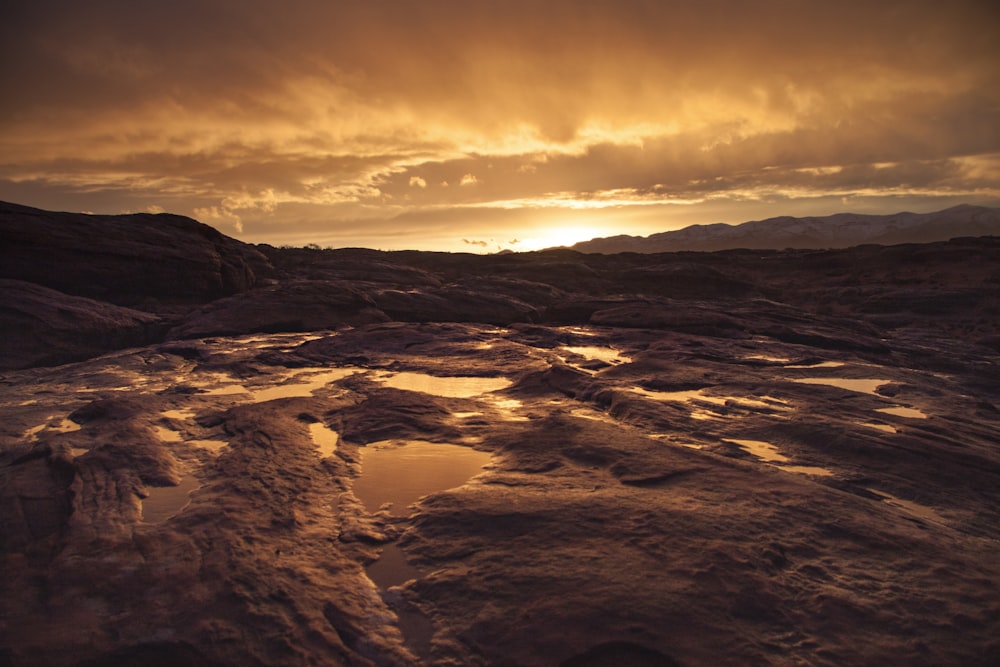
x=606 y=354
x=164 y=502
x=301 y=388
x=865 y=386
x=211 y=445
x=401 y=472
x=60 y=426
x=324 y=438
x=391 y=568
x=768 y=453
x=900 y=411
x=881 y=427
x=444 y=386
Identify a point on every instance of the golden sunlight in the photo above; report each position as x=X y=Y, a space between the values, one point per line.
x=553 y=236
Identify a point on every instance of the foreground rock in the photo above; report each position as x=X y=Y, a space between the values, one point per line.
x=656 y=496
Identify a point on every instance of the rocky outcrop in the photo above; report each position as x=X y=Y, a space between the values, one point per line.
x=308 y=305
x=125 y=259
x=43 y=327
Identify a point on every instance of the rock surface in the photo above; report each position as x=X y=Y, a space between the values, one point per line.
x=783 y=458
x=44 y=327
x=125 y=259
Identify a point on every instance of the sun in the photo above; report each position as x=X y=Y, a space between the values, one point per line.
x=554 y=236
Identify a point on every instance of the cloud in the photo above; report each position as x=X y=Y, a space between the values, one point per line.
x=278 y=117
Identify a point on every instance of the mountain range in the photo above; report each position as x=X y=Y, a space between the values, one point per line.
x=841 y=230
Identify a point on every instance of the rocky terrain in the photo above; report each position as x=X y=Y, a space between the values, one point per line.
x=221 y=454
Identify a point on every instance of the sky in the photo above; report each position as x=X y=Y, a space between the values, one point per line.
x=477 y=126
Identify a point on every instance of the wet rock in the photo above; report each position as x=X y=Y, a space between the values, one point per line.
x=453 y=304
x=296 y=306
x=43 y=327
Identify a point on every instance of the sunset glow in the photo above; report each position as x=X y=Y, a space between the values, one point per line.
x=464 y=126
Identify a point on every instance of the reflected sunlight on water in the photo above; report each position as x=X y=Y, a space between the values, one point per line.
x=400 y=472
x=866 y=386
x=444 y=386
x=324 y=438
x=164 y=502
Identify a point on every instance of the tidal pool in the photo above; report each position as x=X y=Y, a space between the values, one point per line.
x=164 y=502
x=400 y=472
x=446 y=386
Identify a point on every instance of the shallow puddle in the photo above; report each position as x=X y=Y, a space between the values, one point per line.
x=324 y=438
x=304 y=384
x=211 y=445
x=606 y=354
x=866 y=386
x=61 y=426
x=401 y=472
x=881 y=427
x=444 y=386
x=765 y=451
x=166 y=434
x=768 y=453
x=391 y=568
x=164 y=502
x=900 y=411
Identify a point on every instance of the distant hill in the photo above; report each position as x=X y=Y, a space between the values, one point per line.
x=842 y=230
